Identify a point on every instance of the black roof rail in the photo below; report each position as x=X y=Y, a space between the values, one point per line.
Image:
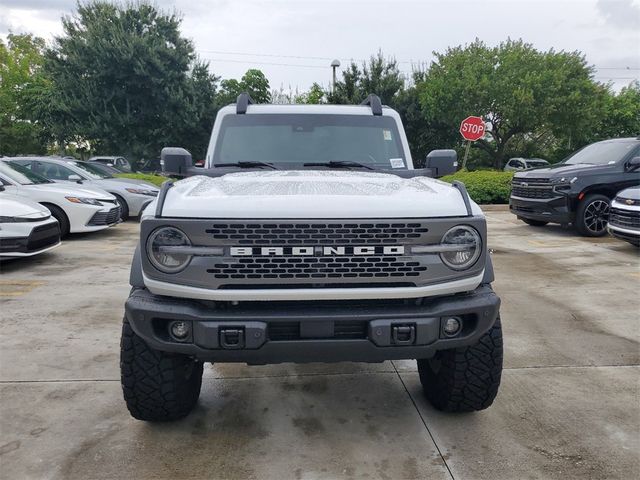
x=374 y=102
x=243 y=101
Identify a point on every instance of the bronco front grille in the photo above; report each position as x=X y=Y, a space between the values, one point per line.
x=624 y=218
x=316 y=233
x=320 y=268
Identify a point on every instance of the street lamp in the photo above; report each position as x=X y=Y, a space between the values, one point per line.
x=335 y=64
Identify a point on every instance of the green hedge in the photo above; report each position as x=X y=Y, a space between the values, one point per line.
x=485 y=186
x=149 y=177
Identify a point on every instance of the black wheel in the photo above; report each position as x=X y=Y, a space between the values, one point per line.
x=592 y=216
x=534 y=223
x=62 y=218
x=464 y=379
x=124 y=208
x=157 y=386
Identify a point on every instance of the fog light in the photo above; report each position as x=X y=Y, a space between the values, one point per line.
x=451 y=326
x=179 y=330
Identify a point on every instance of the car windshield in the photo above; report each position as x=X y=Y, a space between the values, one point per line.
x=90 y=171
x=21 y=175
x=537 y=163
x=602 y=153
x=291 y=140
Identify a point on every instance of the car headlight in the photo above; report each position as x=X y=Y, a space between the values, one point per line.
x=87 y=201
x=462 y=246
x=139 y=191
x=162 y=252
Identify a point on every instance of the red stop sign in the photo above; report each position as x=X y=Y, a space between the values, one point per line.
x=472 y=128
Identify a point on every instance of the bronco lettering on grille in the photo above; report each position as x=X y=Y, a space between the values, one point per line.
x=316 y=251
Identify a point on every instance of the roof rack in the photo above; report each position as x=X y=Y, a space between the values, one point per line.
x=375 y=103
x=243 y=101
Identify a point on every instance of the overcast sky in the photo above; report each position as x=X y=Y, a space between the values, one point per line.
x=293 y=42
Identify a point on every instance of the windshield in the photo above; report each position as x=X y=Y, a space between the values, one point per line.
x=21 y=175
x=90 y=171
x=291 y=140
x=537 y=163
x=602 y=153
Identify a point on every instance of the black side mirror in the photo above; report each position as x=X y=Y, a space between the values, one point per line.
x=442 y=162
x=633 y=164
x=175 y=161
x=1 y=188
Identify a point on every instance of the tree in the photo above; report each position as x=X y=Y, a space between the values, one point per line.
x=622 y=113
x=21 y=60
x=520 y=92
x=252 y=82
x=120 y=78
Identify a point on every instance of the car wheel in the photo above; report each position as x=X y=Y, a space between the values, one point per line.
x=534 y=223
x=124 y=208
x=592 y=216
x=61 y=217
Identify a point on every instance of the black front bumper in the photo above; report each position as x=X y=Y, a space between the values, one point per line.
x=276 y=332
x=554 y=210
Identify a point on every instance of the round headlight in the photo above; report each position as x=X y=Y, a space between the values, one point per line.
x=464 y=247
x=162 y=252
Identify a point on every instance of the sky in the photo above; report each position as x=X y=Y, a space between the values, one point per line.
x=293 y=42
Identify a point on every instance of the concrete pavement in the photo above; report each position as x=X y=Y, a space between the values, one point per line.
x=568 y=406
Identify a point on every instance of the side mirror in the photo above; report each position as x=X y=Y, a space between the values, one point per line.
x=74 y=178
x=175 y=161
x=442 y=162
x=633 y=164
x=1 y=188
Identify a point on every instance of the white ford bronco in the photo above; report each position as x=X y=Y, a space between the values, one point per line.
x=309 y=236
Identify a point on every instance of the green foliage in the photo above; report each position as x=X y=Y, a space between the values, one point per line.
x=524 y=95
x=21 y=60
x=622 y=113
x=253 y=82
x=148 y=177
x=485 y=187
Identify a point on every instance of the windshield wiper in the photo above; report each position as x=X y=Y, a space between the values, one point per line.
x=338 y=164
x=247 y=165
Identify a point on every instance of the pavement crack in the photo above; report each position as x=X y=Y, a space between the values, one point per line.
x=444 y=461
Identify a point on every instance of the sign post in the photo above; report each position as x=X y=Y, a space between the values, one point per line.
x=472 y=129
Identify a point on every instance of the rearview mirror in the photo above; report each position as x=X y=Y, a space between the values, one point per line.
x=74 y=178
x=175 y=161
x=634 y=163
x=442 y=162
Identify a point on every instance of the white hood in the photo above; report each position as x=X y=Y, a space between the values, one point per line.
x=313 y=194
x=71 y=189
x=15 y=206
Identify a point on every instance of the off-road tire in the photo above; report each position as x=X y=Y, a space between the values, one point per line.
x=464 y=379
x=157 y=386
x=583 y=215
x=63 y=220
x=534 y=223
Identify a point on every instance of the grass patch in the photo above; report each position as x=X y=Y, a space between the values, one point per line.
x=149 y=177
x=485 y=186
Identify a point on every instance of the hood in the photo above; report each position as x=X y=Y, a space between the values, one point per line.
x=72 y=189
x=562 y=170
x=16 y=206
x=130 y=182
x=313 y=194
x=632 y=193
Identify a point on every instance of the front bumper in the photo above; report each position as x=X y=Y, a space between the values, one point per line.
x=276 y=332
x=27 y=239
x=555 y=210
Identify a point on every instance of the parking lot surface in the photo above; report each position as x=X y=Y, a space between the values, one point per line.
x=568 y=406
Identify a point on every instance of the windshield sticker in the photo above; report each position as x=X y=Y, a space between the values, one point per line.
x=396 y=162
x=387 y=135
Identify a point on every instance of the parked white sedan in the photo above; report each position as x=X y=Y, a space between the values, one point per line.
x=26 y=227
x=76 y=209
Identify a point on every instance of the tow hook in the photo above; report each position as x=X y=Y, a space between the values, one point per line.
x=232 y=338
x=403 y=334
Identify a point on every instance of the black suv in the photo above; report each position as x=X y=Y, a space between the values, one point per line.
x=579 y=189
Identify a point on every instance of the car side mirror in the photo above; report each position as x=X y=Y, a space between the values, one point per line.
x=74 y=178
x=1 y=188
x=634 y=163
x=175 y=161
x=442 y=162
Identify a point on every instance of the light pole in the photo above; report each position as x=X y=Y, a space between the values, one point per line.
x=335 y=64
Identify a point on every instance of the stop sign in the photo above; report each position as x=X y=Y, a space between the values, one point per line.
x=472 y=128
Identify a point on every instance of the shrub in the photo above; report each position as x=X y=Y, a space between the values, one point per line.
x=149 y=177
x=485 y=186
